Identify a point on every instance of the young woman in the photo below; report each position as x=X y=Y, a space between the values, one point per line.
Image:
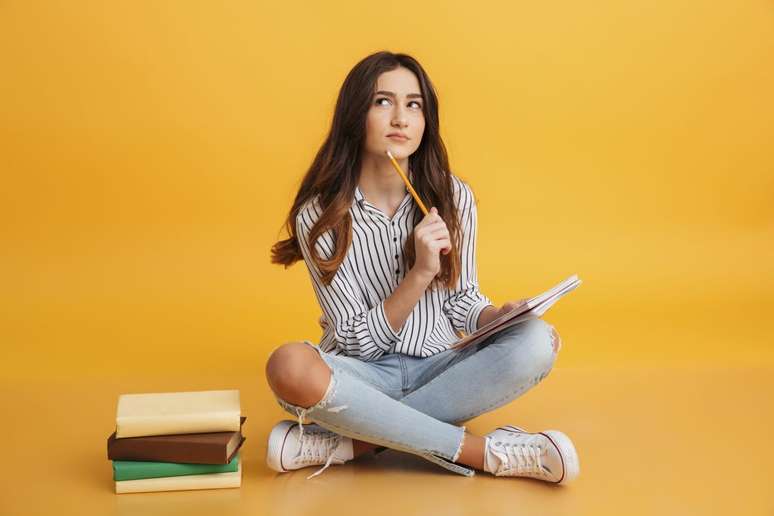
x=396 y=289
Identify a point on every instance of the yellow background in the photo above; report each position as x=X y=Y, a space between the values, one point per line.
x=150 y=152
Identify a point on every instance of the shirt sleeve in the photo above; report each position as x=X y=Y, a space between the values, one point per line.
x=466 y=302
x=360 y=331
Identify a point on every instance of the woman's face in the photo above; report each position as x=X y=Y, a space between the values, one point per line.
x=396 y=109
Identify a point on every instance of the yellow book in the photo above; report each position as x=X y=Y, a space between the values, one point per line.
x=168 y=413
x=182 y=483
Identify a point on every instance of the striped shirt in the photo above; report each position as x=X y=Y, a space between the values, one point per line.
x=354 y=321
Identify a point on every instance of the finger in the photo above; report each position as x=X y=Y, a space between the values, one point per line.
x=432 y=214
x=438 y=239
x=425 y=222
x=439 y=244
x=429 y=229
x=438 y=233
x=432 y=226
x=429 y=221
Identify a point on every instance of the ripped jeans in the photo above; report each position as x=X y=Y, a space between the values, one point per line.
x=417 y=405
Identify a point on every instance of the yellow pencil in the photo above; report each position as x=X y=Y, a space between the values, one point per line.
x=445 y=250
x=408 y=185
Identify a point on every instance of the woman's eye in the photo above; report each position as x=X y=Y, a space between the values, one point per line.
x=419 y=105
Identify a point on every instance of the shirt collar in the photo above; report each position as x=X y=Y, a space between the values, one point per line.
x=360 y=198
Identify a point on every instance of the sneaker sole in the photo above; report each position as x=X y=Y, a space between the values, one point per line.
x=567 y=453
x=277 y=439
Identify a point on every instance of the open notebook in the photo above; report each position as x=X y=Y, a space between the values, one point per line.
x=533 y=308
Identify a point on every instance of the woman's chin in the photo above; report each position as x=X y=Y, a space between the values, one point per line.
x=397 y=153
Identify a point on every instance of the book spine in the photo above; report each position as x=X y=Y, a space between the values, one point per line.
x=141 y=426
x=169 y=451
x=134 y=470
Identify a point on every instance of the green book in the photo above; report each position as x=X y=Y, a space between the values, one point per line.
x=135 y=469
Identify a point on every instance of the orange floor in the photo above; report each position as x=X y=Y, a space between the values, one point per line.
x=650 y=440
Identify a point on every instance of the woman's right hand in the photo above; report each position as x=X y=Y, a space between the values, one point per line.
x=430 y=237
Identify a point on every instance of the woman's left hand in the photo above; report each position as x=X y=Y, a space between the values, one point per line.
x=509 y=306
x=491 y=313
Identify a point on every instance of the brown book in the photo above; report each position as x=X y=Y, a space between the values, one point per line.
x=206 y=448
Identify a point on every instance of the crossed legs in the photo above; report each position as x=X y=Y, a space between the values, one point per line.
x=297 y=374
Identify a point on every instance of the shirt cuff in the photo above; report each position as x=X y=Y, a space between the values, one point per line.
x=471 y=322
x=382 y=333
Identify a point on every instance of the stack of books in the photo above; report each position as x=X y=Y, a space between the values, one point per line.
x=176 y=441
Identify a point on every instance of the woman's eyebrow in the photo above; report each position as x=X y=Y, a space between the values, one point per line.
x=391 y=94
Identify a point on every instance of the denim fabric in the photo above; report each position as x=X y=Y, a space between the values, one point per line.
x=418 y=405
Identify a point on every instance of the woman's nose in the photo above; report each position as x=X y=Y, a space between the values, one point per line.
x=399 y=117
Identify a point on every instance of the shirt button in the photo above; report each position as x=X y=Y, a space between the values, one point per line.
x=397 y=271
x=394 y=239
x=396 y=256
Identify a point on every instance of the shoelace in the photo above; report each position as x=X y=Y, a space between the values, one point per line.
x=301 y=413
x=316 y=447
x=522 y=457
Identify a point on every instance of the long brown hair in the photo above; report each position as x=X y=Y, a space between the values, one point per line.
x=335 y=172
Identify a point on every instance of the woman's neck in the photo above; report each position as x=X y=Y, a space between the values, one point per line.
x=379 y=181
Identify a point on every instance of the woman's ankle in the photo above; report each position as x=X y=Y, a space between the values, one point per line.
x=362 y=447
x=473 y=449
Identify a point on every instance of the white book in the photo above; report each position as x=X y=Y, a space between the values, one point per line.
x=533 y=308
x=177 y=413
x=182 y=483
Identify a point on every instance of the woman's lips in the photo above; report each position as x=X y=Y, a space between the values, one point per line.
x=397 y=138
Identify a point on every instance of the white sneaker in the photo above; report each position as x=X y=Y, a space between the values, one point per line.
x=290 y=449
x=549 y=455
